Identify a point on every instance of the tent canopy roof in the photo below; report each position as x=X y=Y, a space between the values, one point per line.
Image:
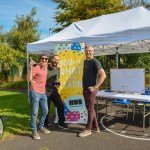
x=122 y=32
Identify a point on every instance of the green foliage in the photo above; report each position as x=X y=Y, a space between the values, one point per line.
x=108 y=61
x=23 y=32
x=2 y=35
x=17 y=86
x=73 y=10
x=126 y=61
x=10 y=57
x=35 y=57
x=136 y=61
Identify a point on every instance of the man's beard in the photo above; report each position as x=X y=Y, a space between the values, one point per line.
x=54 y=64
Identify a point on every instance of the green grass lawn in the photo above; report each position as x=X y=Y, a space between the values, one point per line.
x=15 y=108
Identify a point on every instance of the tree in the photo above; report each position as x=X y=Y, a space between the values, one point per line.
x=73 y=10
x=10 y=58
x=23 y=32
x=13 y=43
x=2 y=35
x=135 y=61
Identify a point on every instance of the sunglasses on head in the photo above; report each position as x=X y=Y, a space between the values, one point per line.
x=44 y=58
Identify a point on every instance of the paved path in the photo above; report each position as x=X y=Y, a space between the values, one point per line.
x=68 y=140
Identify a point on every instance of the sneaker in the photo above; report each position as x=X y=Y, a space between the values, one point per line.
x=63 y=126
x=44 y=130
x=85 y=133
x=96 y=130
x=35 y=136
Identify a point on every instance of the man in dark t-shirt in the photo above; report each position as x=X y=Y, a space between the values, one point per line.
x=90 y=72
x=93 y=77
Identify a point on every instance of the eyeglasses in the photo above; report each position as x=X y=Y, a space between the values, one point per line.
x=44 y=58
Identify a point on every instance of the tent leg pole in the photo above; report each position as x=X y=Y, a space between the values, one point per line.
x=27 y=74
x=117 y=60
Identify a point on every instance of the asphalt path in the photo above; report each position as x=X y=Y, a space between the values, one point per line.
x=59 y=139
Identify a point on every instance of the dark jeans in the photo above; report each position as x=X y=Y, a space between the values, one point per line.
x=56 y=99
x=89 y=102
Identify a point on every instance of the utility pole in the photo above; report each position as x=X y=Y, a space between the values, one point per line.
x=50 y=31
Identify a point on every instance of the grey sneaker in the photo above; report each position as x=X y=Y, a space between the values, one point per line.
x=35 y=136
x=44 y=130
x=96 y=130
x=85 y=133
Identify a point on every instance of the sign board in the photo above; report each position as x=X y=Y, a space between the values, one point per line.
x=71 y=69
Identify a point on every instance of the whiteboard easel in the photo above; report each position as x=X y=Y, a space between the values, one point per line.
x=128 y=80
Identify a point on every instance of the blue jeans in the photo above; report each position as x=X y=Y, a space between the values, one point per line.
x=36 y=99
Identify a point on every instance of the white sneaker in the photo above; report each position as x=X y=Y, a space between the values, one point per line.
x=96 y=130
x=35 y=136
x=85 y=133
x=44 y=130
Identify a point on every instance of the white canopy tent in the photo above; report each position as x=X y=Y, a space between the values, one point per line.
x=118 y=33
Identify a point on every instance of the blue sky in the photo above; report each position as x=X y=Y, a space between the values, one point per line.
x=45 y=12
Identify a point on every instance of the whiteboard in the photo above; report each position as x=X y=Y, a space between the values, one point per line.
x=128 y=80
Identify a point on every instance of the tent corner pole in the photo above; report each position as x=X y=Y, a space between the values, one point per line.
x=117 y=57
x=117 y=60
x=27 y=73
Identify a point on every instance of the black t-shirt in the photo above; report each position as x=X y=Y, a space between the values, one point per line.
x=90 y=71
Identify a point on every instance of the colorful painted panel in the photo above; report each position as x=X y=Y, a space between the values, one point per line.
x=71 y=64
